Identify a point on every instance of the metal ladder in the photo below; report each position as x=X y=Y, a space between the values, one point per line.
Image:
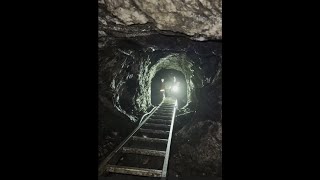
x=145 y=152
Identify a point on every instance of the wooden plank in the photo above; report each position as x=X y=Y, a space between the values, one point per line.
x=152 y=140
x=147 y=152
x=134 y=171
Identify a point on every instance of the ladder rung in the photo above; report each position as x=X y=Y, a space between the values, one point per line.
x=159 y=111
x=162 y=114
x=134 y=171
x=167 y=111
x=166 y=108
x=156 y=140
x=153 y=131
x=147 y=152
x=160 y=121
x=161 y=117
x=166 y=116
x=152 y=125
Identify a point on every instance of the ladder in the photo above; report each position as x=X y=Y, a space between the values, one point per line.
x=145 y=152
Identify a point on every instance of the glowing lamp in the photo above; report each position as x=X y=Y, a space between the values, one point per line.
x=175 y=88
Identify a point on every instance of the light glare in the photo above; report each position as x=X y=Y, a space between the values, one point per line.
x=175 y=88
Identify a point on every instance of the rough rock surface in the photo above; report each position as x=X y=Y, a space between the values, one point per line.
x=201 y=19
x=197 y=142
x=126 y=68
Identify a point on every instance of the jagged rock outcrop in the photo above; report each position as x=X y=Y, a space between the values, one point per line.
x=199 y=19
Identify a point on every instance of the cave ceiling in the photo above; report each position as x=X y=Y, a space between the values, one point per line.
x=198 y=20
x=137 y=38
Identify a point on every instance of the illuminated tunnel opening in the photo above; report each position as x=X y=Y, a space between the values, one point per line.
x=174 y=84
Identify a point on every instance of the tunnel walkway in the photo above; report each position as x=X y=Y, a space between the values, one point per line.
x=145 y=152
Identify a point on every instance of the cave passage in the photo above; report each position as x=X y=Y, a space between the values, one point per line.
x=132 y=62
x=179 y=90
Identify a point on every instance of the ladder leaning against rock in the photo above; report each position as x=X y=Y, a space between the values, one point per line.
x=151 y=139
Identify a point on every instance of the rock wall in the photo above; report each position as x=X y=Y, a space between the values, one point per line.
x=138 y=38
x=200 y=19
x=126 y=68
x=197 y=142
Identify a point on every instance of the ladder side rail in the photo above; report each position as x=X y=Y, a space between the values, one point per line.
x=166 y=159
x=102 y=166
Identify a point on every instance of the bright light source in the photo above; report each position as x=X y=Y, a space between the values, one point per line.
x=175 y=88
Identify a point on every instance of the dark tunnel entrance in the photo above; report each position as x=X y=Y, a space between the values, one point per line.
x=177 y=89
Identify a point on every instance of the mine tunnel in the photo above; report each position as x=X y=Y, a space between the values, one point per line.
x=136 y=61
x=168 y=76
